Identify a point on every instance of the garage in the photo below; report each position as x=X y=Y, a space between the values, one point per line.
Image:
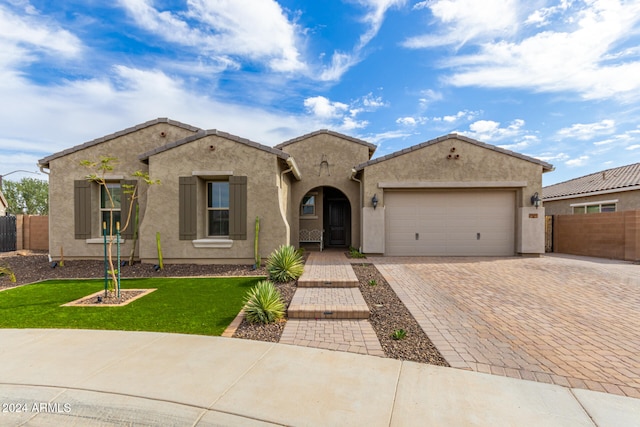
x=450 y=223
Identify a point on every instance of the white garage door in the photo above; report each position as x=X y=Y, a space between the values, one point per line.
x=452 y=223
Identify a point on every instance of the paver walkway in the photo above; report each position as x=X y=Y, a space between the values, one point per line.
x=571 y=322
x=328 y=310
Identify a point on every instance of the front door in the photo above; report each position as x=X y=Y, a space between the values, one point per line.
x=338 y=222
x=337 y=218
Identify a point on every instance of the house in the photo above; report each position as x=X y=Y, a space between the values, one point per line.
x=449 y=196
x=611 y=190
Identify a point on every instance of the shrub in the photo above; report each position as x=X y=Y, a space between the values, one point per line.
x=373 y=282
x=7 y=271
x=355 y=253
x=263 y=303
x=399 y=334
x=284 y=264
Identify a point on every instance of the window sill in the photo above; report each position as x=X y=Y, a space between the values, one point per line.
x=100 y=241
x=309 y=217
x=212 y=243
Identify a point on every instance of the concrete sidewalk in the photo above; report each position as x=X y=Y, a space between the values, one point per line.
x=90 y=378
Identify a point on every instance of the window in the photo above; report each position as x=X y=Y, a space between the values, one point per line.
x=594 y=207
x=110 y=204
x=218 y=208
x=309 y=205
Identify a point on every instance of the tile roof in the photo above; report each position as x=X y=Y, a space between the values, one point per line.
x=372 y=147
x=45 y=161
x=545 y=166
x=610 y=179
x=205 y=133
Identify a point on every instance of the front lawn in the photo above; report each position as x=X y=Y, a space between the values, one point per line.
x=203 y=306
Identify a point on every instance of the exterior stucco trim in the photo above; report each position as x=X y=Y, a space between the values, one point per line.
x=212 y=243
x=458 y=184
x=372 y=147
x=546 y=167
x=44 y=162
x=204 y=133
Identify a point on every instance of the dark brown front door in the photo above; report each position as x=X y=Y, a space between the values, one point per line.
x=337 y=218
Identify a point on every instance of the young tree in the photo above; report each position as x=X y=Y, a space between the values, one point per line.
x=131 y=192
x=28 y=196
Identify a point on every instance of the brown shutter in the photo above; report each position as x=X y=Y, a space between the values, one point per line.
x=238 y=207
x=188 y=208
x=82 y=208
x=125 y=203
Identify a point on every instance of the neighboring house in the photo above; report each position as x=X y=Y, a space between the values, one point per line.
x=611 y=190
x=449 y=196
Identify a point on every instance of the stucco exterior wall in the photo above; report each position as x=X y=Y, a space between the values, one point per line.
x=341 y=157
x=476 y=167
x=65 y=170
x=627 y=201
x=213 y=154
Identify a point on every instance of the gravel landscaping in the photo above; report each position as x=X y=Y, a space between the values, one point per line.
x=388 y=313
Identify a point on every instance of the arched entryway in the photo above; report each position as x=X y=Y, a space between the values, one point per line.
x=328 y=210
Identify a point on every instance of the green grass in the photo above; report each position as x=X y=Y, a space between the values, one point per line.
x=203 y=306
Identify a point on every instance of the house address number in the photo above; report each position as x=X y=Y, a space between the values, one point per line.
x=533 y=215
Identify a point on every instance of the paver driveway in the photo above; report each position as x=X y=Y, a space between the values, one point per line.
x=572 y=322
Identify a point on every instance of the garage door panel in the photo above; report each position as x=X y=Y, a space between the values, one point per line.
x=448 y=223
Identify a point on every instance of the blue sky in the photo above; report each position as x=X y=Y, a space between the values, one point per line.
x=556 y=80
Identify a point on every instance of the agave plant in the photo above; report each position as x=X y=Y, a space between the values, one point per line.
x=8 y=272
x=263 y=303
x=284 y=264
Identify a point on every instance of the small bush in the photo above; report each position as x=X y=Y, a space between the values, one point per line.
x=8 y=272
x=263 y=303
x=354 y=253
x=284 y=264
x=399 y=334
x=373 y=282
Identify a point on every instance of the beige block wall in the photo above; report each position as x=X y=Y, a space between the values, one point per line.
x=342 y=156
x=263 y=200
x=65 y=170
x=627 y=200
x=475 y=165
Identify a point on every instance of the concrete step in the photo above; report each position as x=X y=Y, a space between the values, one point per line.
x=309 y=282
x=328 y=303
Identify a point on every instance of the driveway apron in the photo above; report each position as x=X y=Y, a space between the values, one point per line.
x=566 y=321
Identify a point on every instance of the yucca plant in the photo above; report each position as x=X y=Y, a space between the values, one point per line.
x=263 y=303
x=284 y=264
x=6 y=271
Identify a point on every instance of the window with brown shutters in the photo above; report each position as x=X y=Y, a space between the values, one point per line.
x=82 y=209
x=238 y=207
x=187 y=206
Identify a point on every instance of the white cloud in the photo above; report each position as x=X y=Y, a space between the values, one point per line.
x=464 y=20
x=339 y=115
x=411 y=121
x=581 y=49
x=341 y=62
x=633 y=147
x=460 y=115
x=550 y=157
x=385 y=136
x=323 y=108
x=586 y=131
x=489 y=130
x=35 y=33
x=428 y=97
x=579 y=161
x=257 y=30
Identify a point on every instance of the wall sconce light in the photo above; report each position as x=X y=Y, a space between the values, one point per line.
x=535 y=200
x=374 y=201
